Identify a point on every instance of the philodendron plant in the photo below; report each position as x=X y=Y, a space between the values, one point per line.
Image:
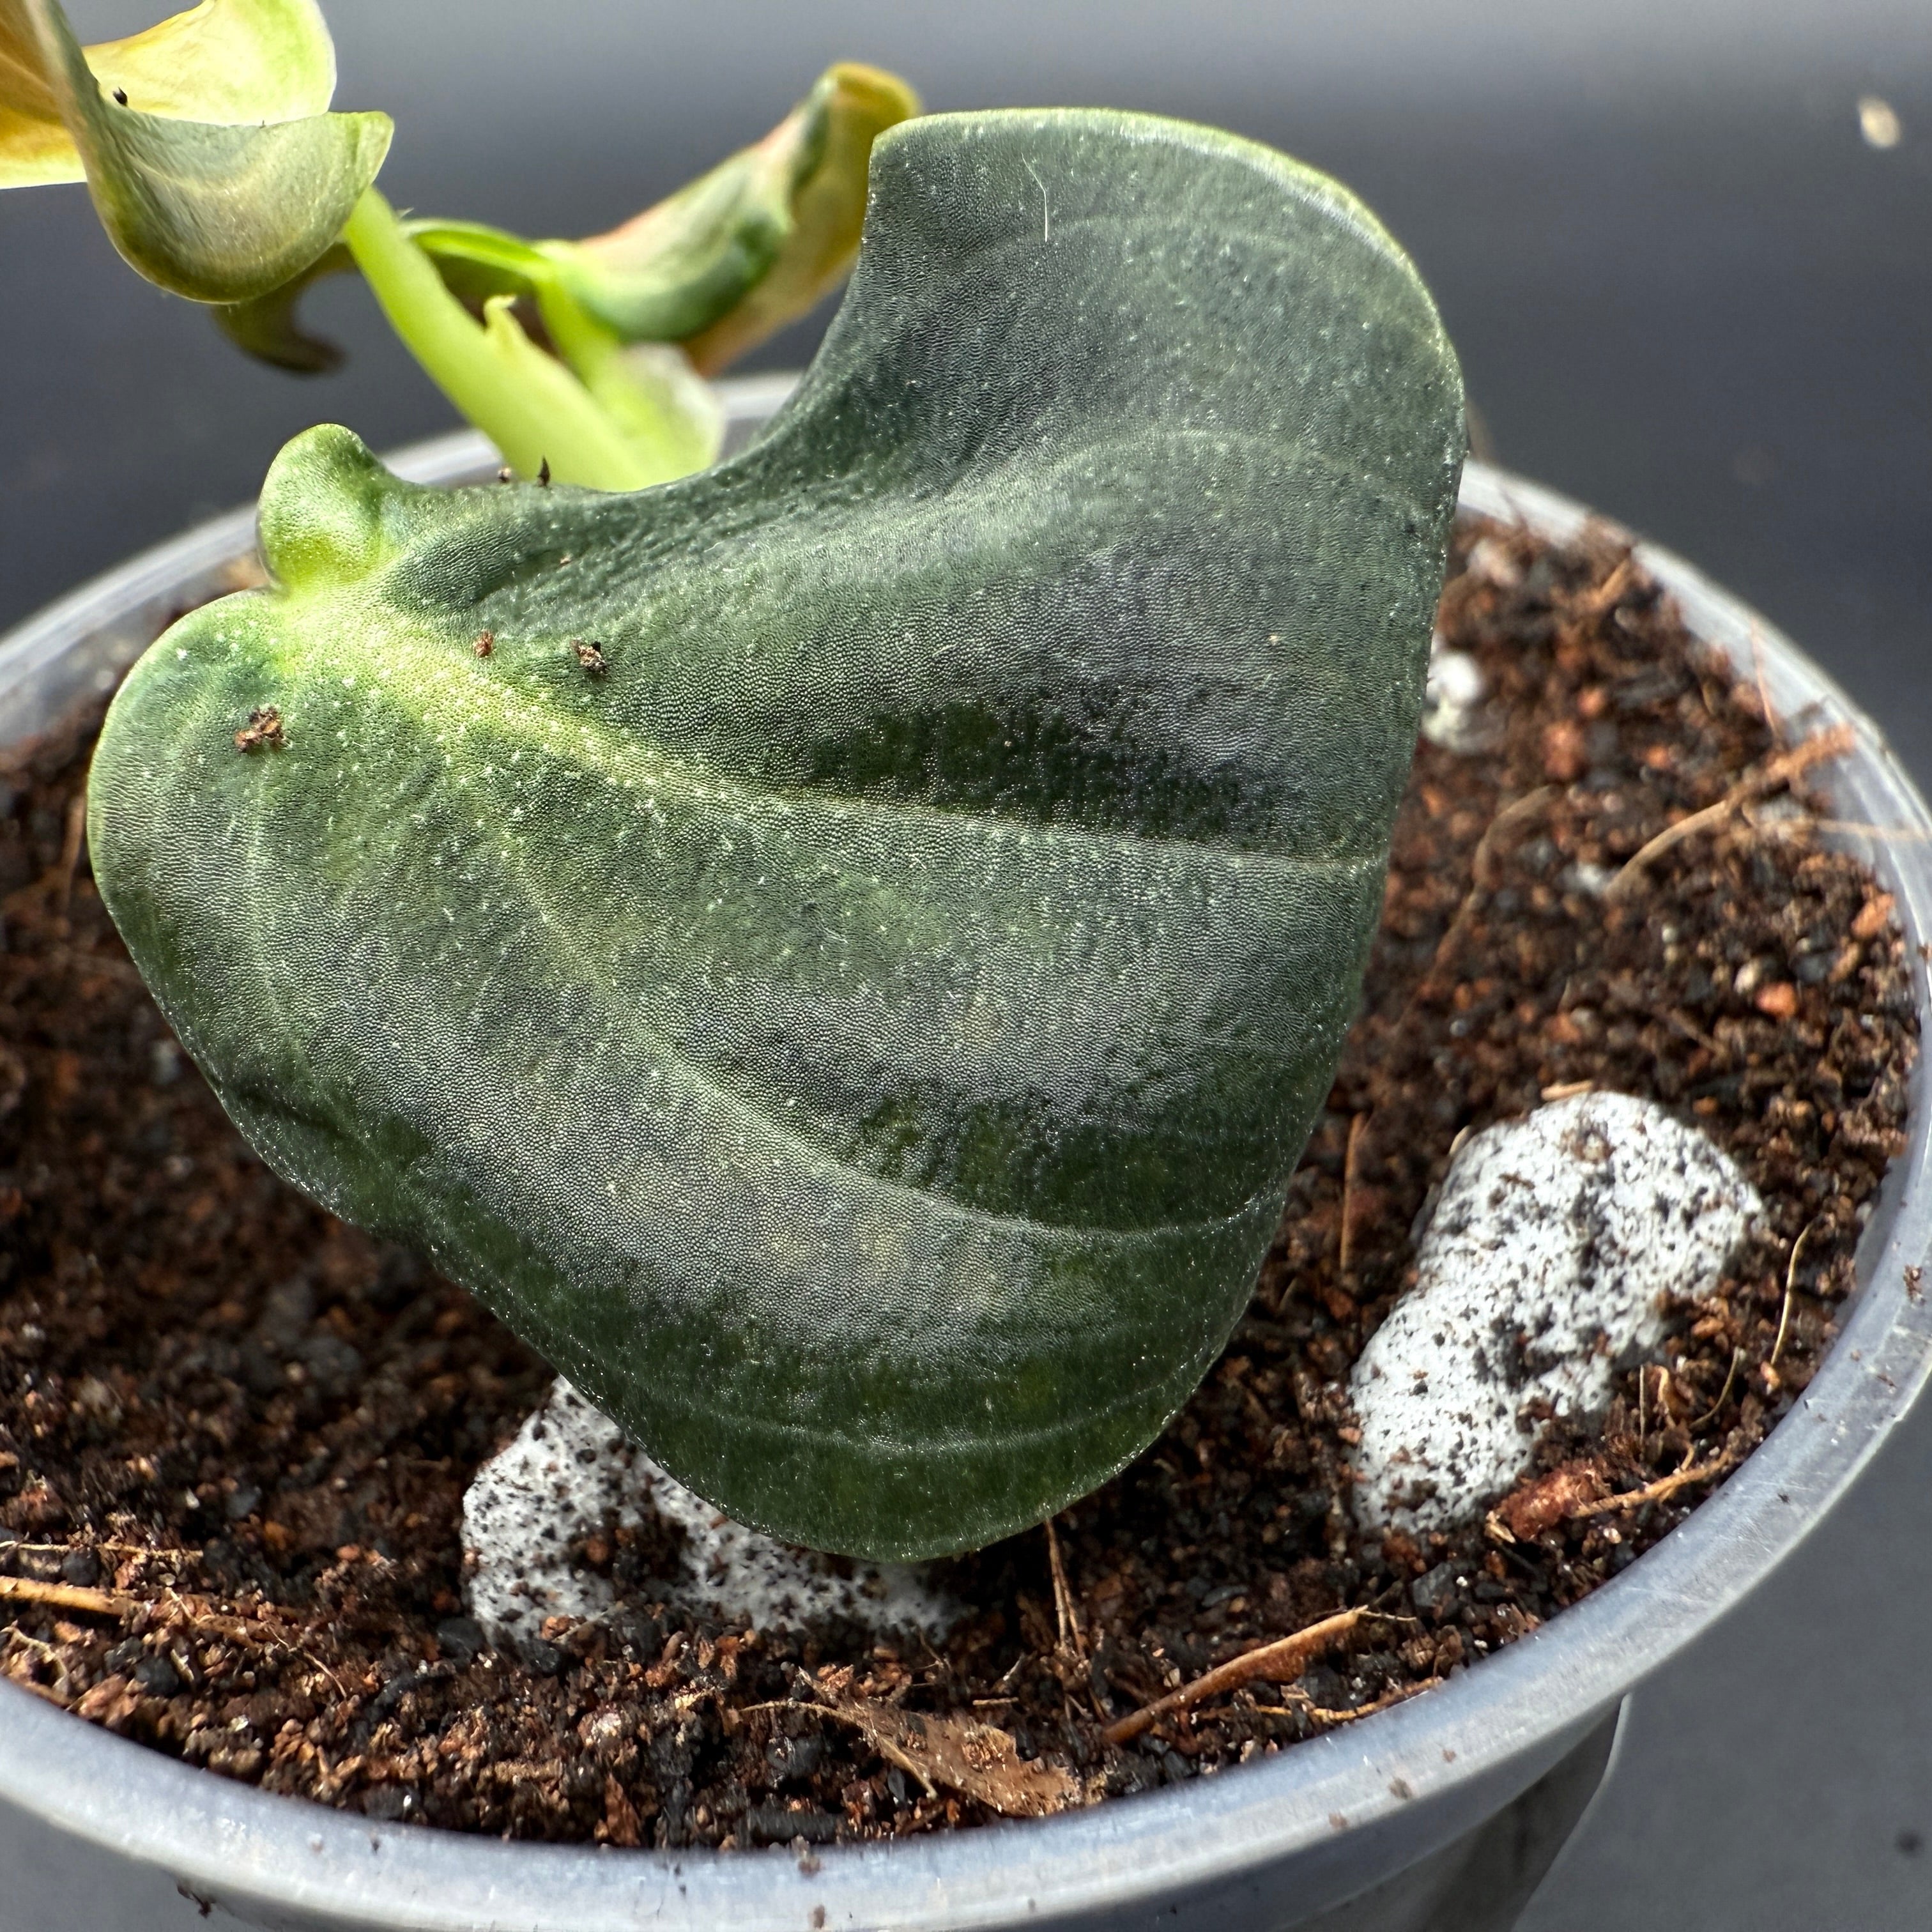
x=843 y=950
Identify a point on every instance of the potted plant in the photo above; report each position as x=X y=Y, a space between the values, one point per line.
x=360 y=832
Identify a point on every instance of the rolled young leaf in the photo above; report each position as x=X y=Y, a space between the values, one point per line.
x=755 y=243
x=215 y=211
x=827 y=208
x=849 y=972
x=241 y=62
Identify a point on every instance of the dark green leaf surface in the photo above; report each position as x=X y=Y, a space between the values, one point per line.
x=862 y=1035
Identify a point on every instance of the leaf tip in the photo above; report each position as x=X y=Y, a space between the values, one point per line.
x=884 y=96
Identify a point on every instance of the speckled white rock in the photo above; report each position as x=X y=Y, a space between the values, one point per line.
x=1541 y=1270
x=1453 y=712
x=570 y=1472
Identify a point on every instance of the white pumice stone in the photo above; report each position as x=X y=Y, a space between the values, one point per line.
x=1453 y=714
x=1540 y=1273
x=570 y=1472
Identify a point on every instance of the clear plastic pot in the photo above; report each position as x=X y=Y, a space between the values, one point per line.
x=1443 y=1812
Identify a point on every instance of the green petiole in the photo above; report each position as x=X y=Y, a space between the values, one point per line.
x=534 y=409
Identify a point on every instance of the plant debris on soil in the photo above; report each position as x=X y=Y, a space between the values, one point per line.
x=235 y=1435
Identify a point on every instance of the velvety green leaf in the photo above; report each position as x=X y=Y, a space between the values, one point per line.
x=215 y=212
x=849 y=972
x=239 y=62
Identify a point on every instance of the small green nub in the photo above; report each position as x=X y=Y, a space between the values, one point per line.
x=321 y=519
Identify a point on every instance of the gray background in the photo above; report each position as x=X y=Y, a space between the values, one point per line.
x=1685 y=289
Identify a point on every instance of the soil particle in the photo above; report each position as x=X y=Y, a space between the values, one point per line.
x=235 y=1435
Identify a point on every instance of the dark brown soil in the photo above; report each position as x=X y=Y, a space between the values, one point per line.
x=235 y=1435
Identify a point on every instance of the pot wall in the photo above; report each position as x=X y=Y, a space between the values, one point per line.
x=1442 y=1812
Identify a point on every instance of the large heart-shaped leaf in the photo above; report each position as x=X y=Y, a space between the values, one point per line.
x=849 y=970
x=218 y=210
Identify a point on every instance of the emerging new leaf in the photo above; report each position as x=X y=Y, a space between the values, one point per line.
x=220 y=208
x=850 y=971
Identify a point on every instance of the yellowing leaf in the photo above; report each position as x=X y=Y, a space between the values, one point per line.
x=745 y=248
x=239 y=62
x=717 y=266
x=828 y=207
x=217 y=212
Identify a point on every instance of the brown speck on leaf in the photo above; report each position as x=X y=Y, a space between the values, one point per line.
x=263 y=731
x=486 y=643
x=1913 y=1276
x=590 y=656
x=543 y=472
x=121 y=97
x=506 y=475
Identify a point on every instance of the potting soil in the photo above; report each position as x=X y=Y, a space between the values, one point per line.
x=235 y=1434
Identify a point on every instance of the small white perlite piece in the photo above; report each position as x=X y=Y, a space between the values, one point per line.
x=570 y=1473
x=1452 y=713
x=1540 y=1273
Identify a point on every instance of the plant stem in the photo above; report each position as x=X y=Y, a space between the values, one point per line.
x=673 y=434
x=532 y=407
